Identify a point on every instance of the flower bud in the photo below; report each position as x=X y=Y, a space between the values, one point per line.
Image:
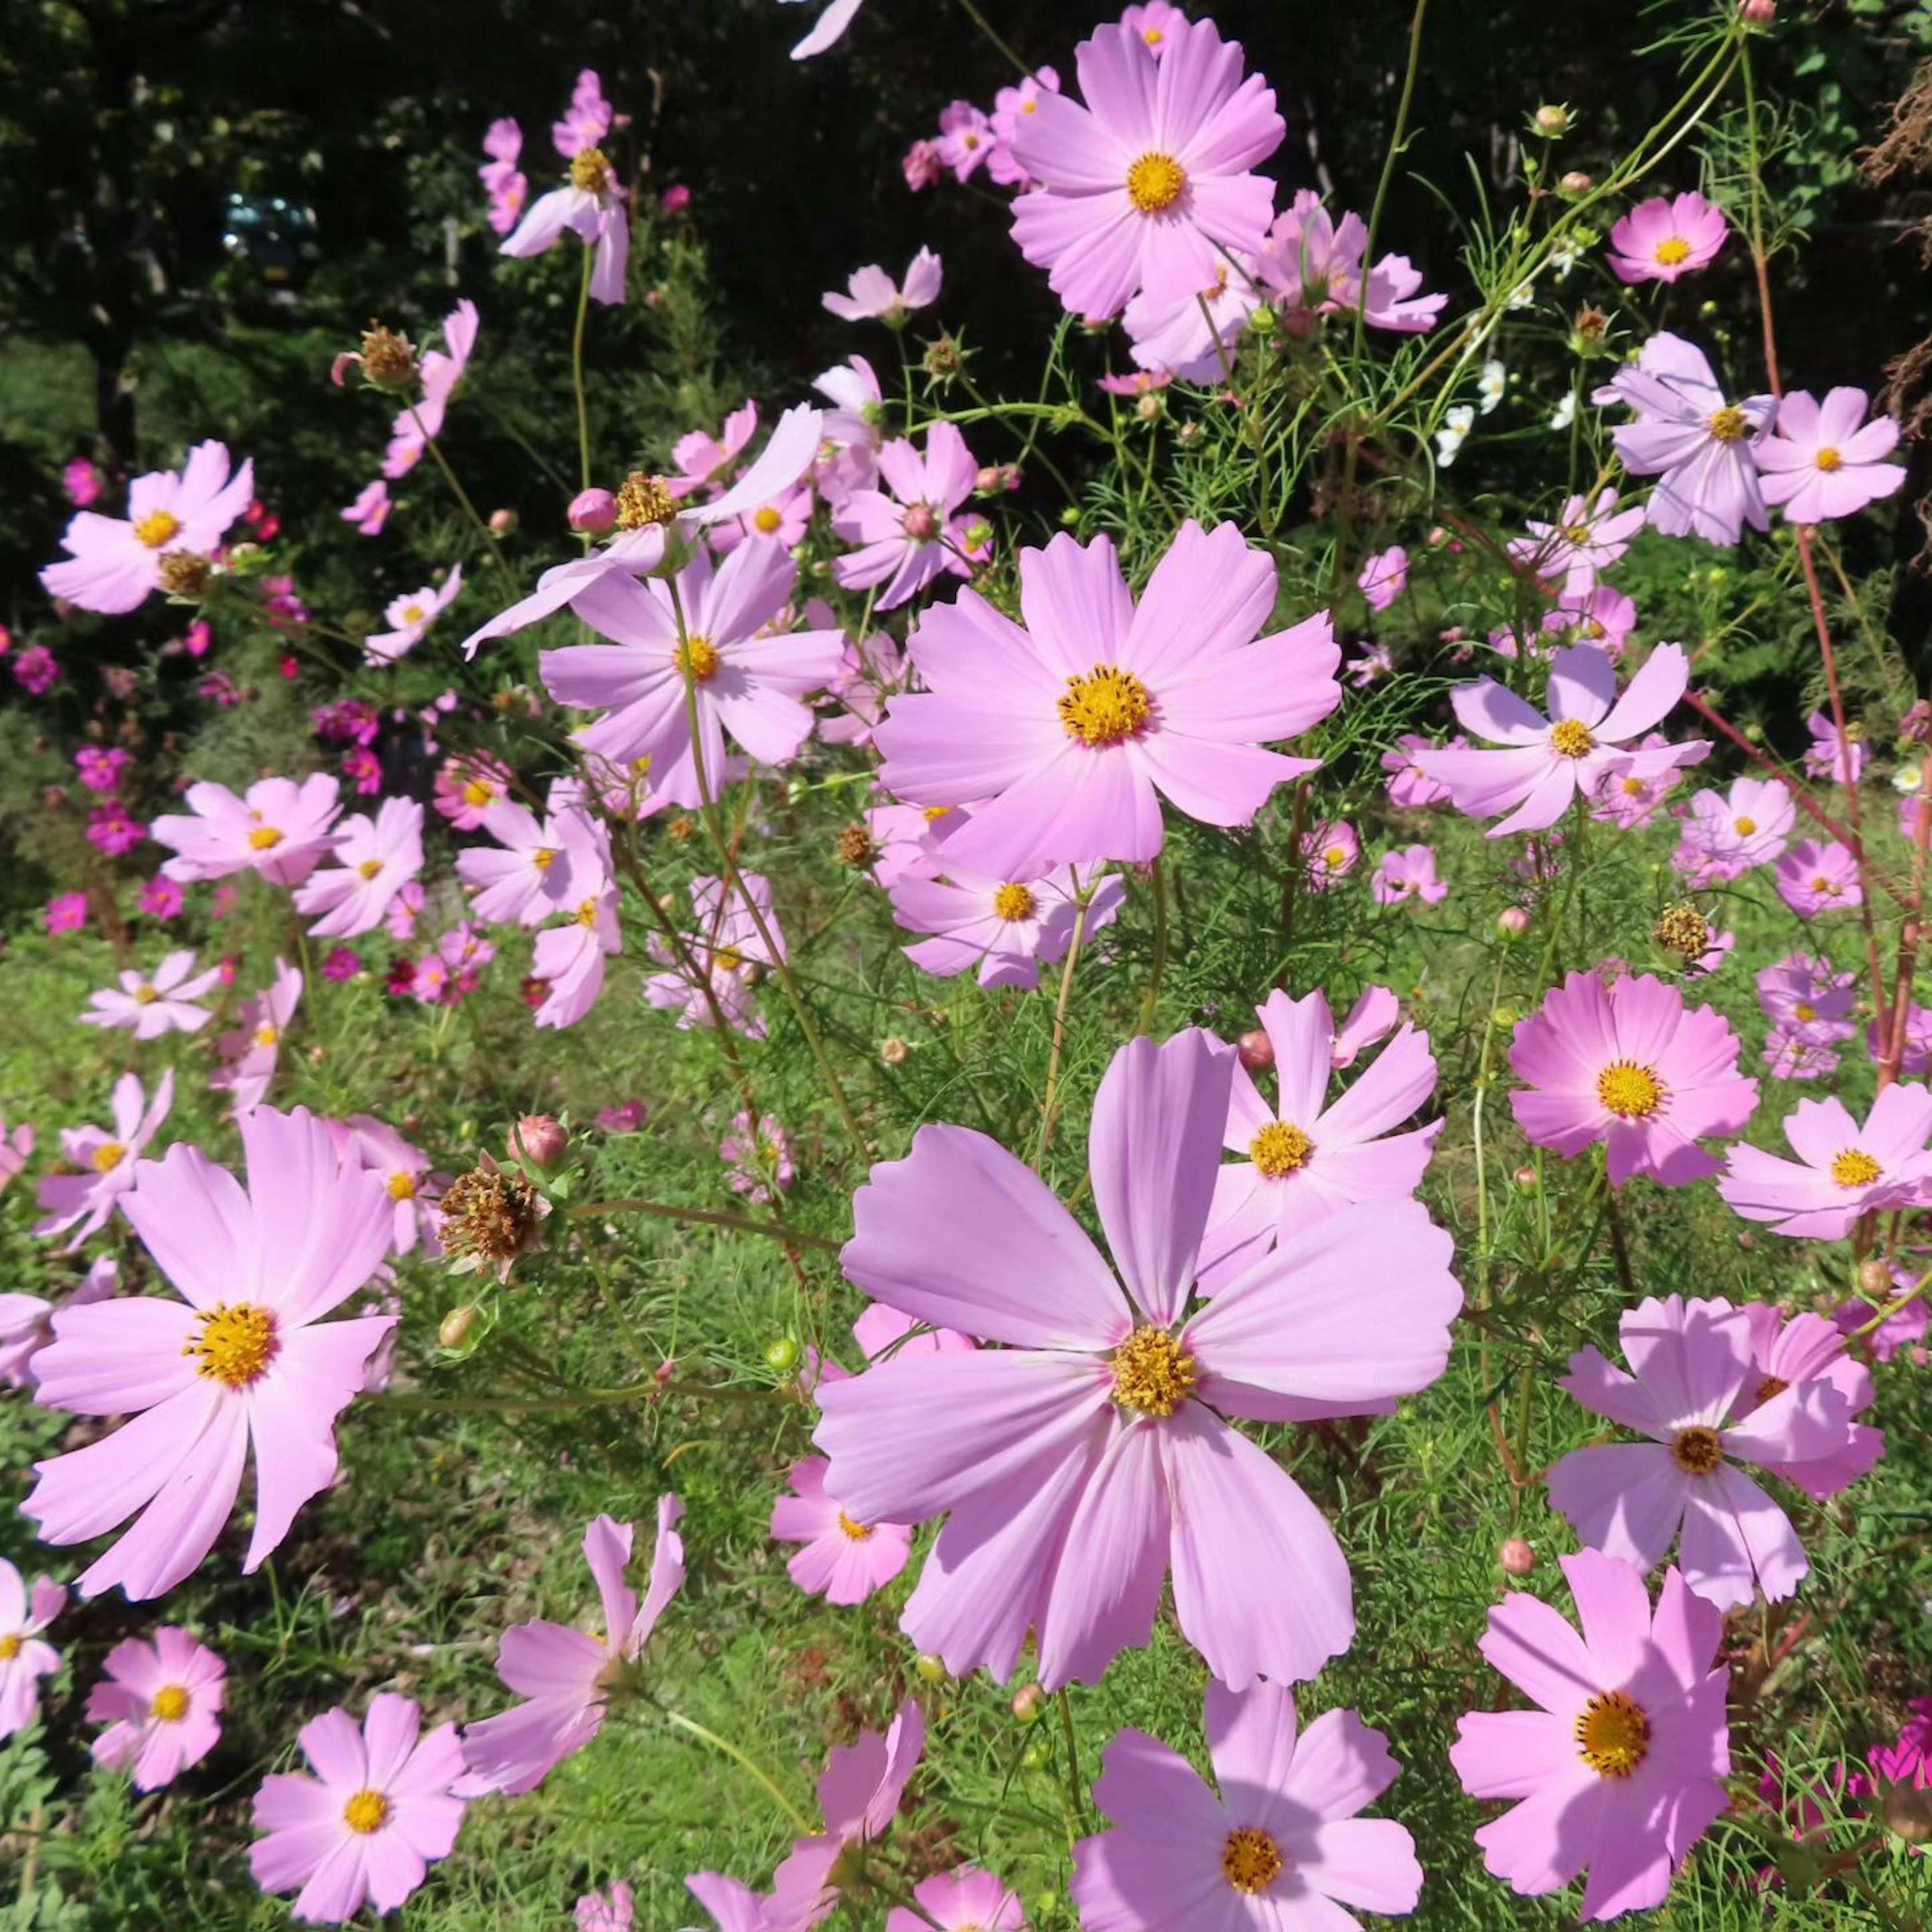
x=893 y=1051
x=1513 y=922
x=1552 y=120
x=1759 y=13
x=540 y=1141
x=1575 y=183
x=185 y=574
x=1034 y=1758
x=1028 y=1702
x=389 y=360
x=1150 y=407
x=782 y=1355
x=931 y=1669
x=1516 y=1557
x=1264 y=321
x=943 y=360
x=921 y=522
x=1528 y=1179
x=457 y=1325
x=503 y=522
x=1875 y=1282
x=1256 y=1051
x=593 y=512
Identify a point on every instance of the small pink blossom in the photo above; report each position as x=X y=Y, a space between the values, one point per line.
x=468 y=785
x=1384 y=578
x=843 y=1561
x=922 y=167
x=1407 y=875
x=161 y=1701
x=1837 y=761
x=1725 y=834
x=1845 y=1169
x=66 y=912
x=1824 y=461
x=909 y=532
x=25 y=1656
x=410 y=616
x=85 y=482
x=1586 y=537
x=1005 y=930
x=103 y=1161
x=963 y=1899
x=36 y=671
x=1311 y=266
x=873 y=295
x=966 y=138
x=250 y=1053
x=1411 y=788
x=374 y=858
x=162 y=898
x=1664 y=239
x=370 y=510
x=1818 y=876
x=149 y=1006
x=1329 y=853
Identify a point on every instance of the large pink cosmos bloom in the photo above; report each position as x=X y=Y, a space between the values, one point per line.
x=843 y=1560
x=1088 y=1455
x=26 y=1321
x=1633 y=1067
x=711 y=636
x=161 y=1703
x=1844 y=1170
x=375 y=858
x=1545 y=763
x=963 y=1899
x=1825 y=461
x=1620 y=1769
x=150 y=1005
x=1311 y=264
x=114 y=563
x=1696 y=1392
x=1274 y=1845
x=1006 y=931
x=243 y=1357
x=25 y=1656
x=250 y=1054
x=409 y=615
x=562 y=1673
x=1073 y=729
x=1142 y=187
x=278 y=828
x=1302 y=1158
x=380 y=1809
x=104 y=1161
x=1666 y=238
x=593 y=208
x=442 y=370
x=910 y=532
x=875 y=296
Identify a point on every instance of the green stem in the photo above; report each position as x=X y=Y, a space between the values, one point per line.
x=1076 y=1799
x=985 y=27
x=491 y=548
x=1398 y=140
x=714 y=1217
x=577 y=378
x=800 y=1823
x=1151 y=1003
x=1061 y=1007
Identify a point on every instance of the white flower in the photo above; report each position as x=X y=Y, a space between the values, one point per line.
x=1565 y=411
x=1492 y=384
x=1457 y=424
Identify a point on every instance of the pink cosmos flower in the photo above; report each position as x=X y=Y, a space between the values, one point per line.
x=1825 y=460
x=1837 y=761
x=1844 y=1171
x=922 y=167
x=25 y=1657
x=1796 y=1053
x=828 y=29
x=1806 y=992
x=843 y=1561
x=614 y=1911
x=468 y=785
x=966 y=138
x=785 y=519
x=562 y=1673
x=1633 y=1068
x=506 y=184
x=278 y=828
x=1006 y=931
x=26 y=1321
x=16 y=1147
x=442 y=370
x=760 y=1160
x=909 y=532
x=1407 y=875
x=1156 y=22
x=1599 y=615
x=242 y=1358
x=405 y=1173
x=1099 y=1427
x=527 y=875
x=1789 y=1351
x=1726 y=833
x=851 y=428
x=161 y=899
x=111 y=830
x=1662 y=240
x=702 y=457
x=592 y=207
x=100 y=768
x=1329 y=853
x=1011 y=105
x=1279 y=1846
x=1195 y=340
x=1410 y=787
x=375 y=859
x=114 y=563
x=728 y=949
x=874 y=296
x=871 y=670
x=84 y=481
x=1695 y=1393
x=1384 y=578
x=1143 y=186
x=149 y=1007
x=251 y=1052
x=66 y=912
x=568 y=960
x=103 y=1159
x=1619 y=1771
x=1909 y=1761
x=963 y=1899
x=1819 y=876
x=1073 y=728
x=587 y=119
x=381 y=1808
x=1546 y=763
x=1586 y=537
x=1311 y=266
x=161 y=1703
x=36 y=671
x=411 y=615
x=1702 y=448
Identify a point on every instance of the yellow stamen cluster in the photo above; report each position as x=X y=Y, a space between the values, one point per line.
x=699 y=656
x=11 y=1645
x=479 y=792
x=402 y=1186
x=265 y=838
x=1672 y=251
x=1828 y=461
x=1684 y=931
x=1013 y=902
x=1746 y=827
x=146 y=995
x=1612 y=1734
x=766 y=521
x=1105 y=706
x=1571 y=738
x=1280 y=1149
x=157 y=529
x=369 y=868
x=1728 y=424
x=590 y=170
x=1155 y=182
x=367 y=1812
x=108 y=1155
x=267 y=1035
x=1855 y=1168
x=1631 y=1092
x=235 y=1344
x=644 y=500
x=544 y=858
x=1698 y=1451
x=1251 y=1860
x=1153 y=1374
x=854 y=1532
x=170 y=1704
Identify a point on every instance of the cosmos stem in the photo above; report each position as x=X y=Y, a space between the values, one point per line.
x=750 y=1765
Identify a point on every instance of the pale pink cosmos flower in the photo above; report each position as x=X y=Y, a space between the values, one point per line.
x=380 y=1809
x=1546 y=763
x=242 y=1358
x=727 y=948
x=1631 y=792
x=1818 y=876
x=114 y=563
x=250 y=1054
x=1143 y=186
x=1587 y=537
x=1329 y=853
x=613 y=1911
x=1803 y=1053
x=586 y=120
x=442 y=371
x=1073 y=729
x=1407 y=876
x=963 y=1899
x=405 y=1172
x=593 y=208
x=370 y=510
x=843 y=1560
x=759 y=1160
x=149 y=1005
x=410 y=616
x=1841 y=761
x=1410 y=788
x=564 y=1674
x=527 y=875
x=1807 y=992
x=828 y=29
x=1006 y=929
x=1790 y=1350
x=16 y=1147
x=909 y=532
x=467 y=786
x=1099 y=1427
x=873 y=295
x=784 y=518
x=25 y=1656
x=1156 y=22
x=1726 y=833
x=375 y=858
x=1620 y=1770
x=1824 y=460
x=871 y=669
x=1384 y=578
x=26 y=1321
x=104 y=1160
x=161 y=1702
x=702 y=457
x=966 y=138
x=278 y=828
x=851 y=428
x=1011 y=106
x=1194 y=339
x=1602 y=615
x=1311 y=266
x=1844 y=1169
x=1633 y=1068
x=1665 y=238
x=569 y=959
x=1274 y=1845
x=505 y=184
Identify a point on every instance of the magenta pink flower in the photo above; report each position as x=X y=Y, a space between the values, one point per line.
x=1819 y=876
x=1329 y=853
x=1844 y=1170
x=375 y=858
x=909 y=532
x=1142 y=187
x=760 y=1160
x=843 y=1561
x=1620 y=1769
x=1586 y=537
x=26 y=1321
x=112 y=830
x=921 y=165
x=161 y=1703
x=594 y=208
x=1073 y=729
x=1006 y=931
x=242 y=1358
x=1408 y=876
x=66 y=912
x=104 y=1161
x=278 y=828
x=409 y=617
x=1311 y=266
x=1384 y=578
x=563 y=1674
x=151 y=1006
x=1825 y=460
x=1839 y=761
x=250 y=1053
x=1633 y=1068
x=114 y=563
x=1099 y=1427
x=25 y=1656
x=162 y=898
x=1661 y=240
x=85 y=482
x=1279 y=1846
x=442 y=370
x=468 y=785
x=963 y=1899
x=381 y=1808
x=874 y=296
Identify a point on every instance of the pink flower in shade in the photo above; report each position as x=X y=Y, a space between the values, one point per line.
x=828 y=29
x=527 y=874
x=785 y=519
x=1138 y=383
x=364 y=770
x=1311 y=266
x=922 y=167
x=613 y=1911
x=851 y=428
x=374 y=859
x=26 y=1321
x=1794 y=1053
x=243 y=1356
x=1195 y=340
x=1142 y=187
x=25 y=1657
x=411 y=616
x=1726 y=833
x=161 y=1703
x=66 y=912
x=1633 y=1068
x=626 y=1118
x=563 y=1674
x=1620 y=1770
x=966 y=138
x=587 y=119
x=16 y=1147
x=505 y=183
x=102 y=1159
x=1909 y=1761
x=1662 y=240
x=1828 y=757
x=100 y=769
x=1011 y=107
x=111 y=830
x=1156 y=21
x=1005 y=930
x=1410 y=787
x=843 y=1561
x=702 y=457
x=1546 y=762
x=342 y=964
x=162 y=898
x=468 y=785
x=874 y=296
x=1384 y=578
x=1599 y=615
x=250 y=1053
x=872 y=669
x=1099 y=1427
x=1819 y=876
x=1702 y=448
x=1809 y=994
x=1825 y=460
x=1408 y=875
x=1844 y=1171
x=1586 y=537
x=726 y=948
x=1329 y=853
x=908 y=533
x=405 y=1173
x=1279 y=1847
x=963 y=1899
x=1073 y=728
x=381 y=1808
x=759 y=1161
x=1694 y=1393
x=151 y=1007
x=591 y=206
x=278 y=828
x=114 y=563
x=84 y=481
x=442 y=370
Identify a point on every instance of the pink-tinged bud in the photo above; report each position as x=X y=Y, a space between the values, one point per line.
x=338 y=370
x=1575 y=182
x=1513 y=922
x=593 y=512
x=1528 y=1179
x=1759 y=13
x=1516 y=1557
x=1028 y=1703
x=922 y=523
x=503 y=522
x=893 y=1051
x=1875 y=1282
x=674 y=200
x=539 y=1140
x=1256 y=1051
x=1149 y=407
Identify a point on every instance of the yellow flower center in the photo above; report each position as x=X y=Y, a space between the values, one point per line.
x=1155 y=183
x=856 y=1532
x=544 y=858
x=235 y=1344
x=699 y=656
x=933 y=814
x=412 y=613
x=1805 y=1012
x=643 y=500
x=1728 y=424
x=1105 y=706
x=109 y=1156
x=1632 y=787
x=265 y=838
x=267 y=1035
x=766 y=521
x=368 y=1811
x=1698 y=1451
x=369 y=868
x=1013 y=902
x=1746 y=827
x=1335 y=857
x=586 y=913
x=1612 y=1734
x=1279 y=1149
x=170 y=1704
x=1828 y=460
x=10 y=1647
x=1672 y=251
x=1571 y=738
x=1575 y=533
x=1251 y=1860
x=591 y=172
x=157 y=529
x=1632 y=1092
x=145 y=996
x=1855 y=1168
x=402 y=1187
x=479 y=792
x=1153 y=1374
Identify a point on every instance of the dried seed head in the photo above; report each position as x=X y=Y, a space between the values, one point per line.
x=489 y=1216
